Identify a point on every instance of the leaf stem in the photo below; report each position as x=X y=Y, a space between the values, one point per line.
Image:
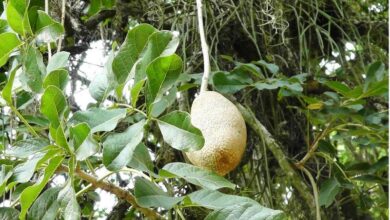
x=313 y=147
x=132 y=108
x=180 y=213
x=20 y=116
x=89 y=165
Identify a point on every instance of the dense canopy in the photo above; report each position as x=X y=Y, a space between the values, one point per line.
x=96 y=94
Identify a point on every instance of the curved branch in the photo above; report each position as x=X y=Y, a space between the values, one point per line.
x=315 y=192
x=313 y=147
x=116 y=190
x=102 y=15
x=280 y=156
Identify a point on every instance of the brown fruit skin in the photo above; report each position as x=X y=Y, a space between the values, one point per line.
x=223 y=129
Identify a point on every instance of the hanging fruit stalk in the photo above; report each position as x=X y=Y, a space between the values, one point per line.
x=222 y=125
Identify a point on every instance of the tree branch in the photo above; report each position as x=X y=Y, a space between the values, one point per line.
x=312 y=148
x=277 y=151
x=102 y=15
x=109 y=187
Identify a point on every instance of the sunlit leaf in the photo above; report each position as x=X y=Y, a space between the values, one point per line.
x=23 y=172
x=58 y=78
x=135 y=91
x=9 y=41
x=375 y=73
x=162 y=73
x=377 y=88
x=338 y=87
x=16 y=14
x=178 y=131
x=232 y=206
x=27 y=147
x=7 y=90
x=99 y=119
x=161 y=104
x=130 y=51
x=53 y=105
x=68 y=202
x=58 y=61
x=161 y=43
x=5 y=174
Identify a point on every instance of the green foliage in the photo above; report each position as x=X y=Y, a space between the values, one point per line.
x=162 y=74
x=58 y=61
x=17 y=16
x=9 y=213
x=250 y=75
x=46 y=29
x=345 y=121
x=103 y=83
x=29 y=194
x=195 y=175
x=46 y=205
x=231 y=206
x=53 y=105
x=83 y=143
x=329 y=189
x=54 y=201
x=99 y=119
x=150 y=195
x=244 y=211
x=147 y=56
x=130 y=51
x=58 y=78
x=9 y=42
x=34 y=69
x=118 y=149
x=178 y=131
x=141 y=159
x=7 y=90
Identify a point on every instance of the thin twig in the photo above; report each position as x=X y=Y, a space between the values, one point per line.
x=62 y=23
x=48 y=44
x=313 y=147
x=25 y=122
x=205 y=48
